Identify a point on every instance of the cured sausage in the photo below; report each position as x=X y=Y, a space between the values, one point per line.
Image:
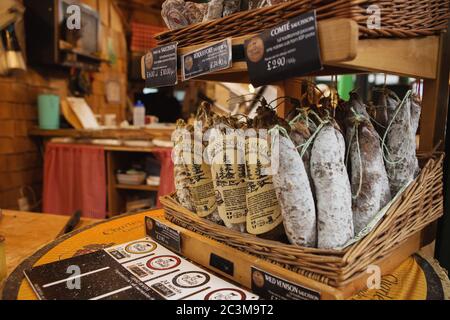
x=369 y=180
x=295 y=196
x=332 y=187
x=401 y=161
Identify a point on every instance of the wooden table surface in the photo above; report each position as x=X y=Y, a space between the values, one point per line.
x=416 y=278
x=26 y=232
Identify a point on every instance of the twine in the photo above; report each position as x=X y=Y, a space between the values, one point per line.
x=305 y=146
x=384 y=146
x=357 y=118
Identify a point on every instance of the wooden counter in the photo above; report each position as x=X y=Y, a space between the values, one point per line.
x=410 y=281
x=26 y=232
x=131 y=134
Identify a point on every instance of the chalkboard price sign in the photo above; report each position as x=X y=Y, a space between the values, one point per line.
x=161 y=66
x=288 y=50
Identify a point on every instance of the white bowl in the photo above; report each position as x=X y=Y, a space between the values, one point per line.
x=134 y=179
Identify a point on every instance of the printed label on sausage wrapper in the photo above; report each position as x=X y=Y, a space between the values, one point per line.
x=228 y=173
x=202 y=190
x=264 y=212
x=202 y=187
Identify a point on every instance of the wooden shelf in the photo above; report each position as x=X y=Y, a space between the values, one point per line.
x=138 y=188
x=130 y=134
x=130 y=149
x=343 y=52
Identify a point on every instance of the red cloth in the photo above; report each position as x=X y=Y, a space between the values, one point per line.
x=75 y=179
x=167 y=184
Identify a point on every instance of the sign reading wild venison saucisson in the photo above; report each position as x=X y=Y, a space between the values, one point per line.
x=288 y=50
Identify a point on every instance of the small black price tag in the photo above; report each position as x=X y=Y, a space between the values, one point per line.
x=163 y=234
x=288 y=50
x=161 y=66
x=270 y=287
x=207 y=60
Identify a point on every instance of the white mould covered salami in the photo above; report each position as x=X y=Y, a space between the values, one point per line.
x=400 y=139
x=332 y=187
x=295 y=196
x=300 y=135
x=379 y=112
x=370 y=183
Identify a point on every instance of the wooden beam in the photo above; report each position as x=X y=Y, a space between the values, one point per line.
x=341 y=49
x=435 y=101
x=416 y=57
x=338 y=40
x=443 y=238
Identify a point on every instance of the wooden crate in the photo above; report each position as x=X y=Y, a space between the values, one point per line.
x=237 y=265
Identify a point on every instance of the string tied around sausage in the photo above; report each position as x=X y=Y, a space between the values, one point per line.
x=387 y=156
x=305 y=146
x=357 y=119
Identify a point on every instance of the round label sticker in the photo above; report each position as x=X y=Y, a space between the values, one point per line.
x=188 y=63
x=255 y=49
x=163 y=262
x=258 y=279
x=226 y=294
x=191 y=279
x=141 y=247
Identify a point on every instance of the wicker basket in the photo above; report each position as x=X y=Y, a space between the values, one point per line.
x=420 y=204
x=399 y=18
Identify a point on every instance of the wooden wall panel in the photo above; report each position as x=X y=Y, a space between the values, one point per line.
x=20 y=159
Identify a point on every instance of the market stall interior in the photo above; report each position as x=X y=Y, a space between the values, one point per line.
x=302 y=141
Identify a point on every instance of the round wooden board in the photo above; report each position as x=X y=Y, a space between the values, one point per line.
x=417 y=278
x=89 y=239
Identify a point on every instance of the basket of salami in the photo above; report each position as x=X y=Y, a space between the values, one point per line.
x=195 y=23
x=333 y=190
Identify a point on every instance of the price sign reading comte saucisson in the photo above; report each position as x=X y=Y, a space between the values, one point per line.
x=215 y=57
x=288 y=50
x=160 y=65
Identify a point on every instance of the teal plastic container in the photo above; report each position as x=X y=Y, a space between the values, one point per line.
x=48 y=109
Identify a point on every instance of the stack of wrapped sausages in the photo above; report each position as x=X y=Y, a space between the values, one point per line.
x=337 y=168
x=179 y=13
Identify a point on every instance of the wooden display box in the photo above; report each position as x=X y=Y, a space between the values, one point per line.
x=241 y=267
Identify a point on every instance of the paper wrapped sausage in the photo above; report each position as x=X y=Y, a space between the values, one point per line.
x=228 y=173
x=264 y=217
x=181 y=173
x=214 y=11
x=202 y=187
x=332 y=187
